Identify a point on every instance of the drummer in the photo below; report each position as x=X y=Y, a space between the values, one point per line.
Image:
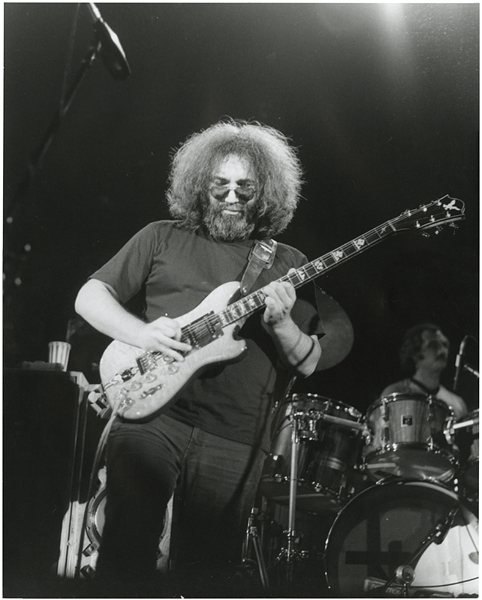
x=424 y=355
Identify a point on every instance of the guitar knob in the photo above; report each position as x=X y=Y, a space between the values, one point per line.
x=136 y=386
x=150 y=377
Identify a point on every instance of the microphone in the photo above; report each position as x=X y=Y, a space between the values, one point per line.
x=111 y=52
x=458 y=361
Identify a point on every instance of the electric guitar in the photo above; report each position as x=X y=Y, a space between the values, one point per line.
x=139 y=383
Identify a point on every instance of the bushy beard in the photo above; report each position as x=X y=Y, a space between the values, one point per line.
x=229 y=228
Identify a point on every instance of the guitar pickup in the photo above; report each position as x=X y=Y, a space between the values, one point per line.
x=203 y=331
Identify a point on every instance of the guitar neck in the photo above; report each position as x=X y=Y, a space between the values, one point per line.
x=446 y=210
x=255 y=301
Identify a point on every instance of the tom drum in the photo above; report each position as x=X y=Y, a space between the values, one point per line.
x=327 y=453
x=407 y=439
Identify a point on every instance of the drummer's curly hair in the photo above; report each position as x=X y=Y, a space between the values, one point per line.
x=276 y=166
x=411 y=345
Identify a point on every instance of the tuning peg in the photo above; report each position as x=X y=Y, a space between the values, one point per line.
x=426 y=234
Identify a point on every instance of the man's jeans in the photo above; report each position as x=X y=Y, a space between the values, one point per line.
x=215 y=481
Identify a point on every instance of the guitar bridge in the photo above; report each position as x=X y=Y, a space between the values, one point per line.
x=146 y=362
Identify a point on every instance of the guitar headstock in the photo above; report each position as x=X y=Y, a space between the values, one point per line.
x=437 y=213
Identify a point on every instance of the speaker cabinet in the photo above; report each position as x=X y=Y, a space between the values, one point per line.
x=47 y=448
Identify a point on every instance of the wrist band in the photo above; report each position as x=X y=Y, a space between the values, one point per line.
x=307 y=354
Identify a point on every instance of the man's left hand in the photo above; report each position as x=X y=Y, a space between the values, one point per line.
x=279 y=300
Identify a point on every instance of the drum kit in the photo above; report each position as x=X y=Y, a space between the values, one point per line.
x=398 y=487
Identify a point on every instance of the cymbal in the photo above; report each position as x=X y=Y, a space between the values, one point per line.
x=337 y=342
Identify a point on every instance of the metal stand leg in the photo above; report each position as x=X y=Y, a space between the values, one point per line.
x=253 y=540
x=295 y=441
x=290 y=552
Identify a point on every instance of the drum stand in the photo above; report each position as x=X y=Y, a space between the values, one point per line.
x=308 y=433
x=290 y=553
x=252 y=539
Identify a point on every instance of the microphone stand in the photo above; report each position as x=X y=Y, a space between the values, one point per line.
x=52 y=129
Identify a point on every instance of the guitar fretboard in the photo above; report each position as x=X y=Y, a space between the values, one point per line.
x=254 y=301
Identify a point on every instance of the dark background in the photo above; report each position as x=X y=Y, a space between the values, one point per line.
x=381 y=100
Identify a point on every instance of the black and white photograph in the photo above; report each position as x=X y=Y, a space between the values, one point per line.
x=241 y=300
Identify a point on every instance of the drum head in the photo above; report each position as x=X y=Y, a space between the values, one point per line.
x=383 y=528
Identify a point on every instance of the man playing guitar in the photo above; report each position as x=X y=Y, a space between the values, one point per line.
x=230 y=185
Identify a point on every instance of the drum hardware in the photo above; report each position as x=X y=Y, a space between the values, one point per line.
x=404 y=574
x=453 y=426
x=345 y=423
x=252 y=540
x=464 y=436
x=315 y=416
x=306 y=427
x=298 y=432
x=291 y=539
x=471 y=370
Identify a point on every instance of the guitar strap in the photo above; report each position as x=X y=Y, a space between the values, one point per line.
x=261 y=256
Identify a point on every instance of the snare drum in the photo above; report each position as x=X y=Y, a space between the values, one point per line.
x=327 y=454
x=407 y=439
x=385 y=526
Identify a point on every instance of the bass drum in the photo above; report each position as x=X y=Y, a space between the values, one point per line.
x=467 y=442
x=382 y=529
x=95 y=524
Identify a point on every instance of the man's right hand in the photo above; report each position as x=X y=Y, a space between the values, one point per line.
x=163 y=335
x=98 y=304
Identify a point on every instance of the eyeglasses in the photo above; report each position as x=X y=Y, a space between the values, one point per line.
x=244 y=193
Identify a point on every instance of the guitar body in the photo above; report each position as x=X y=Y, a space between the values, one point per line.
x=145 y=394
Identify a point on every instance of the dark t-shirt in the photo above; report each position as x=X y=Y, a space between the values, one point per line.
x=176 y=269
